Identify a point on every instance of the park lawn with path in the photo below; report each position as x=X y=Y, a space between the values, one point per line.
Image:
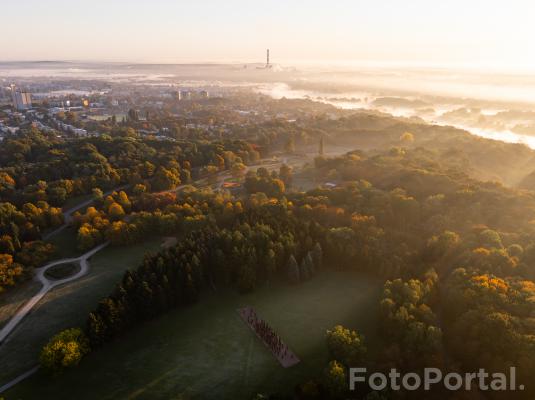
x=16 y=297
x=206 y=351
x=67 y=306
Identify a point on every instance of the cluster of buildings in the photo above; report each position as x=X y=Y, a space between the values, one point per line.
x=5 y=130
x=119 y=101
x=62 y=126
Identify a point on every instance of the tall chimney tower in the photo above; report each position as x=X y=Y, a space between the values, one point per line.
x=267 y=60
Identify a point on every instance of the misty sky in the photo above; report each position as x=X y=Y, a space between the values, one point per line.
x=475 y=33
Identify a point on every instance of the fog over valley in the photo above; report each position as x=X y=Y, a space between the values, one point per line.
x=495 y=105
x=277 y=200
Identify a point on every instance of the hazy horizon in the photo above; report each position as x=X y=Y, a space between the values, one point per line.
x=476 y=34
x=181 y=217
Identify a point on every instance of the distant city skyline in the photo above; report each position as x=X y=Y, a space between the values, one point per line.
x=477 y=33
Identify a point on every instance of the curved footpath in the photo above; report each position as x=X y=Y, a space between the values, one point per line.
x=18 y=379
x=49 y=284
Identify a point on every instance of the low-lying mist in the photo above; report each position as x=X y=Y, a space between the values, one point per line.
x=495 y=105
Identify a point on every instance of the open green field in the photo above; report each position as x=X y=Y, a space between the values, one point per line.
x=207 y=352
x=62 y=271
x=66 y=245
x=14 y=298
x=63 y=307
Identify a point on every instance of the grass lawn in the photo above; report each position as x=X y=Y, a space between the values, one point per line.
x=14 y=298
x=74 y=201
x=62 y=271
x=65 y=242
x=207 y=352
x=67 y=306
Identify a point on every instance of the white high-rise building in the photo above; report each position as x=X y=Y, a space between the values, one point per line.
x=21 y=100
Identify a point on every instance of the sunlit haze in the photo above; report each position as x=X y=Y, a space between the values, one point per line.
x=267 y=200
x=493 y=33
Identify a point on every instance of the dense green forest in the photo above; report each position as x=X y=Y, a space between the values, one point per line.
x=456 y=255
x=445 y=220
x=39 y=173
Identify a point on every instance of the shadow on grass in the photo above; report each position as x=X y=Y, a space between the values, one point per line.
x=206 y=351
x=67 y=306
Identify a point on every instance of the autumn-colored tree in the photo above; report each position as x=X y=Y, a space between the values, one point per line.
x=87 y=237
x=139 y=189
x=36 y=253
x=238 y=169
x=124 y=201
x=64 y=350
x=335 y=380
x=346 y=345
x=407 y=137
x=115 y=212
x=9 y=271
x=165 y=179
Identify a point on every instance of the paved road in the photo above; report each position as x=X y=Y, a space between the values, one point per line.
x=48 y=284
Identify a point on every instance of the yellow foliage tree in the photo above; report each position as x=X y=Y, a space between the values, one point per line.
x=65 y=350
x=115 y=211
x=9 y=271
x=407 y=137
